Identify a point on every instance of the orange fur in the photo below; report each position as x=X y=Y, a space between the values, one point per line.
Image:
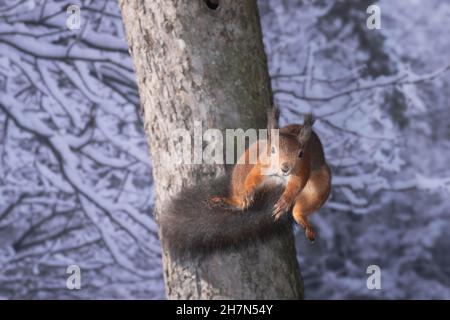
x=308 y=178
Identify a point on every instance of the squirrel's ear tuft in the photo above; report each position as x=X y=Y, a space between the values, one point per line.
x=272 y=123
x=309 y=120
x=305 y=132
x=272 y=118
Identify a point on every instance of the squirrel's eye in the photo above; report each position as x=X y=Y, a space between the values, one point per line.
x=300 y=154
x=273 y=150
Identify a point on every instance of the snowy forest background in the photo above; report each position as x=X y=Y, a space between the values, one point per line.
x=76 y=179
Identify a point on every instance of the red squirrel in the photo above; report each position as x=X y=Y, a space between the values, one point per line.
x=292 y=175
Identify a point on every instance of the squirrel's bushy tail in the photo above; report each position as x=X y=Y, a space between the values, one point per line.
x=188 y=224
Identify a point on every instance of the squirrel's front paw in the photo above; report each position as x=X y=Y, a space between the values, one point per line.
x=247 y=201
x=283 y=204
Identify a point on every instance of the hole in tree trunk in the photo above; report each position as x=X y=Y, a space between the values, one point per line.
x=212 y=4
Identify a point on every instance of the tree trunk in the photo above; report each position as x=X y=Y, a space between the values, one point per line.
x=197 y=62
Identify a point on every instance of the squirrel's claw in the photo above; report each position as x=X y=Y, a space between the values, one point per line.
x=282 y=205
x=276 y=214
x=247 y=201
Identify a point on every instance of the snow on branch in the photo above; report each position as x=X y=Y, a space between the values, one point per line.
x=71 y=132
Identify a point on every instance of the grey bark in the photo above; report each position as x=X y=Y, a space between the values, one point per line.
x=195 y=63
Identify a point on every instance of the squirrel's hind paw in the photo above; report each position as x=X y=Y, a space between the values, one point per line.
x=310 y=234
x=216 y=202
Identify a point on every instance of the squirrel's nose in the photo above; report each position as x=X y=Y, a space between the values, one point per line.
x=285 y=167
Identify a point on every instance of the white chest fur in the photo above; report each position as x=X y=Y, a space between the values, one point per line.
x=276 y=181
